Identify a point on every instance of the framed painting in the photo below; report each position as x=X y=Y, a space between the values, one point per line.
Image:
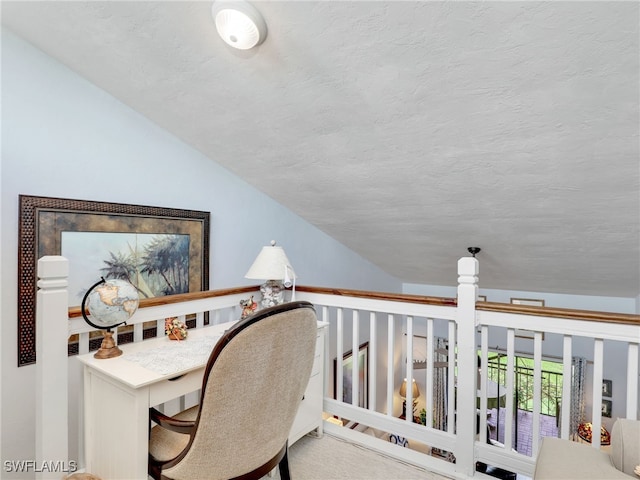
x=532 y=302
x=607 y=406
x=161 y=251
x=607 y=388
x=347 y=376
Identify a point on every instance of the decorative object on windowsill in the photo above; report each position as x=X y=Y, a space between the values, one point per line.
x=175 y=329
x=248 y=307
x=403 y=393
x=239 y=23
x=585 y=433
x=272 y=265
x=111 y=303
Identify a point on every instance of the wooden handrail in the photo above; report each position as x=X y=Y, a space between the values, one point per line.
x=589 y=315
x=392 y=297
x=569 y=313
x=181 y=297
x=607 y=317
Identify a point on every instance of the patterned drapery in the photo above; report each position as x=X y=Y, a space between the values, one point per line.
x=440 y=384
x=579 y=369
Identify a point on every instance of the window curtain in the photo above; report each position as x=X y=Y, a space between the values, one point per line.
x=579 y=369
x=440 y=384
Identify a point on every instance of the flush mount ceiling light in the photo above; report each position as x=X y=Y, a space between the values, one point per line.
x=239 y=23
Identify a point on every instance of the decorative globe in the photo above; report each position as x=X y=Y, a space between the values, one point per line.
x=112 y=303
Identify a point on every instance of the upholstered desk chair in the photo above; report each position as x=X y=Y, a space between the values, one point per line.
x=253 y=385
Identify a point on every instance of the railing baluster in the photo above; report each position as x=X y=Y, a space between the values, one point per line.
x=429 y=397
x=390 y=355
x=537 y=390
x=484 y=356
x=160 y=327
x=510 y=389
x=632 y=381
x=83 y=343
x=355 y=360
x=596 y=422
x=567 y=360
x=339 y=354
x=451 y=377
x=373 y=355
x=409 y=370
x=138 y=332
x=326 y=318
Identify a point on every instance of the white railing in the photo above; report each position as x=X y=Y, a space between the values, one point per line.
x=389 y=325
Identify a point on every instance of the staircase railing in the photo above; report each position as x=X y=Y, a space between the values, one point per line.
x=432 y=340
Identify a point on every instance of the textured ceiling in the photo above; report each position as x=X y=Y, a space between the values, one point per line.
x=408 y=131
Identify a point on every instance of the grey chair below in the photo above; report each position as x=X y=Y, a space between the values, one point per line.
x=253 y=384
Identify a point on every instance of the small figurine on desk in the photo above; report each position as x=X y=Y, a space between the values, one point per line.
x=248 y=307
x=175 y=329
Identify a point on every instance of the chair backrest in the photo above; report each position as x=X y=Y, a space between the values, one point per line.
x=625 y=445
x=253 y=385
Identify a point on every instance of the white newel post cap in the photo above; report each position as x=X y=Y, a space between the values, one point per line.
x=468 y=268
x=53 y=266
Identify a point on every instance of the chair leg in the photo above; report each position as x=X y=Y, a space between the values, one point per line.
x=154 y=471
x=284 y=466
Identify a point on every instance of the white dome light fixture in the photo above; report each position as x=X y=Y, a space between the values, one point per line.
x=239 y=23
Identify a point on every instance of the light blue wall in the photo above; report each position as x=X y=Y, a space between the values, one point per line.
x=64 y=137
x=580 y=302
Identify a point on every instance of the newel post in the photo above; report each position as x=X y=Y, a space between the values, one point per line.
x=52 y=333
x=467 y=365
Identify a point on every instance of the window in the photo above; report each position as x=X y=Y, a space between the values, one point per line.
x=551 y=381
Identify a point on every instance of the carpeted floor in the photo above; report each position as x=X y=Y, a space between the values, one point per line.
x=329 y=458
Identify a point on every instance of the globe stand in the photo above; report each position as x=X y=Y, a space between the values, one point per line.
x=108 y=347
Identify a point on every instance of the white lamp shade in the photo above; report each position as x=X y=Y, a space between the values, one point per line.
x=239 y=23
x=271 y=264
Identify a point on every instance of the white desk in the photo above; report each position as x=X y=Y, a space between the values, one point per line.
x=119 y=391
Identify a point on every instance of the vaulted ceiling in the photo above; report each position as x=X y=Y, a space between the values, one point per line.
x=407 y=130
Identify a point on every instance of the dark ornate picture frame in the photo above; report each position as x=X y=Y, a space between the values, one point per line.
x=43 y=219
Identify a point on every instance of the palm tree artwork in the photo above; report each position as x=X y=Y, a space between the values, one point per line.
x=155 y=264
x=161 y=268
x=167 y=257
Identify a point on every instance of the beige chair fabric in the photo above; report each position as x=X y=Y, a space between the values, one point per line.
x=564 y=459
x=250 y=396
x=625 y=445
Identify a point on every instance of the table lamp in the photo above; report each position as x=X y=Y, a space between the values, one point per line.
x=415 y=393
x=273 y=266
